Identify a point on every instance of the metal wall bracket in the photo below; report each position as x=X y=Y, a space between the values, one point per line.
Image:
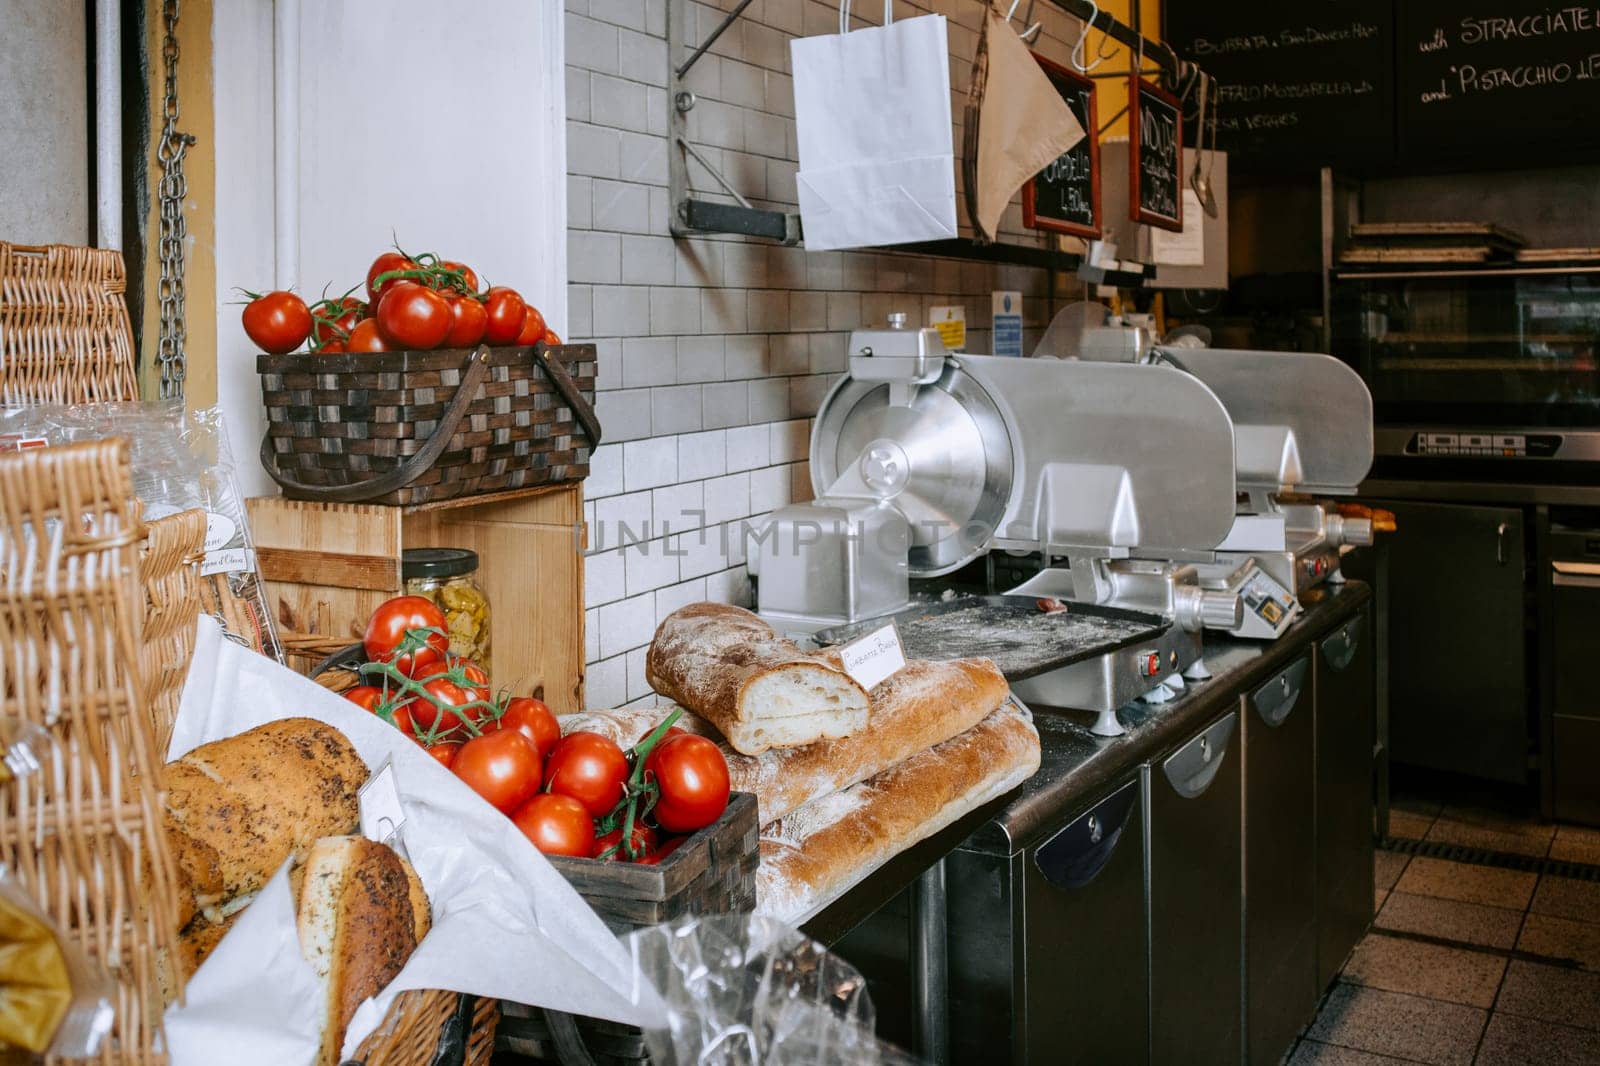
x=693 y=216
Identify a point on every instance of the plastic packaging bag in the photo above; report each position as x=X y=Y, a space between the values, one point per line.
x=180 y=460
x=741 y=989
x=51 y=996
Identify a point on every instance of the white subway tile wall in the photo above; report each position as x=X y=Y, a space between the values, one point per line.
x=715 y=352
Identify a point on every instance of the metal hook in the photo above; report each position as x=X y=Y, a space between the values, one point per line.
x=1033 y=27
x=1078 y=54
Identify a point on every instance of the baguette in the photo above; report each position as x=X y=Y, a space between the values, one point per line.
x=238 y=809
x=361 y=912
x=760 y=690
x=926 y=703
x=814 y=854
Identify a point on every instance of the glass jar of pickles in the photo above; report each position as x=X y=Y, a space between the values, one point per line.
x=449 y=577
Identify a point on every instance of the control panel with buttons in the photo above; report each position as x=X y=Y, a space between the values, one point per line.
x=1485 y=445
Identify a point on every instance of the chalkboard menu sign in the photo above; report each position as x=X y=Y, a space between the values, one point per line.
x=1302 y=83
x=1155 y=156
x=1504 y=83
x=1064 y=197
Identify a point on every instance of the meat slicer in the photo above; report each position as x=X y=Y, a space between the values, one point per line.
x=1302 y=425
x=923 y=462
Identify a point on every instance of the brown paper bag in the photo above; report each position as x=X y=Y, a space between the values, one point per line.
x=1016 y=124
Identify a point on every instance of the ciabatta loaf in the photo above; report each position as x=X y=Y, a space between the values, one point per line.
x=926 y=703
x=814 y=854
x=238 y=809
x=361 y=912
x=760 y=690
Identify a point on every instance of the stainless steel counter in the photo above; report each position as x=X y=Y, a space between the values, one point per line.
x=1077 y=765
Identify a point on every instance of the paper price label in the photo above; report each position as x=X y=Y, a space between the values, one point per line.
x=875 y=657
x=379 y=799
x=226 y=561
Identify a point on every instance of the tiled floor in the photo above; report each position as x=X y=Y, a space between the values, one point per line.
x=1469 y=964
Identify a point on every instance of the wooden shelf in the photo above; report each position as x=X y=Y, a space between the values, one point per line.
x=327 y=565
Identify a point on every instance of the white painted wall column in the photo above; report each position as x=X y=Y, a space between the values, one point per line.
x=440 y=126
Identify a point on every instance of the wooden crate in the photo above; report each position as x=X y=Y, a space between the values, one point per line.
x=713 y=872
x=327 y=565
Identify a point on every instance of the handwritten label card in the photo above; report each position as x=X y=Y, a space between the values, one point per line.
x=379 y=799
x=875 y=657
x=1155 y=158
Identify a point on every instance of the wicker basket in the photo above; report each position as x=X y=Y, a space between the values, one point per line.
x=169 y=570
x=430 y=1028
x=713 y=872
x=417 y=427
x=64 y=332
x=85 y=840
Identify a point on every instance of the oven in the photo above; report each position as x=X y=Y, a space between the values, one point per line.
x=1484 y=373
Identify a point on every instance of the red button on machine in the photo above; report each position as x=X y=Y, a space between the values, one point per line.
x=1149 y=663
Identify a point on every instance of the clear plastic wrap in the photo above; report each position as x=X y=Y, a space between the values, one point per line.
x=51 y=996
x=741 y=989
x=180 y=460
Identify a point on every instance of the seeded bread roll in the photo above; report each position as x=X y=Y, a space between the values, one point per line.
x=237 y=809
x=361 y=912
x=760 y=690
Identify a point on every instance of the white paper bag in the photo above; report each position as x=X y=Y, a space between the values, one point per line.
x=505 y=923
x=872 y=115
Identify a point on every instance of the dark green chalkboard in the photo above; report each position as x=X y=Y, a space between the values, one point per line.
x=1065 y=196
x=1502 y=83
x=1303 y=83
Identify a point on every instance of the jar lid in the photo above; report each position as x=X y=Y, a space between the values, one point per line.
x=437 y=562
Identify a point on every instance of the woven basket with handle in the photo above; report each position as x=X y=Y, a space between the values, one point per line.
x=84 y=836
x=64 y=333
x=418 y=427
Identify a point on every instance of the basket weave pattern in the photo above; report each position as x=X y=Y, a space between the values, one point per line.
x=410 y=1032
x=64 y=332
x=84 y=835
x=337 y=419
x=170 y=574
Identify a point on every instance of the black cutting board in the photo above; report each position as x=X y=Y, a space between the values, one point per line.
x=1022 y=640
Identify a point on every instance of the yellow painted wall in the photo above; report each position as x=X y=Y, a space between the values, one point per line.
x=199 y=167
x=1114 y=91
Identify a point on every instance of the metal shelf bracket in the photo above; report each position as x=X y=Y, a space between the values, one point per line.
x=693 y=216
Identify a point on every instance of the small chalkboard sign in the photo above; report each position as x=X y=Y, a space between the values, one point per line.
x=1064 y=197
x=1155 y=156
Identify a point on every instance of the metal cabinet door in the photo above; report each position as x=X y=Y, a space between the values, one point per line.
x=1087 y=992
x=1195 y=1012
x=1458 y=686
x=1343 y=668
x=1280 y=942
x=1575 y=730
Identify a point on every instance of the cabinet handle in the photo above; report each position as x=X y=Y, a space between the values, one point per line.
x=1500 y=544
x=1274 y=700
x=1339 y=648
x=1073 y=857
x=1191 y=769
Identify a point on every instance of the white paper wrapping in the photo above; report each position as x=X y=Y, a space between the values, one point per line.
x=505 y=923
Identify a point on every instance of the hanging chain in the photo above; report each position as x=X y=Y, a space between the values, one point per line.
x=174 y=229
